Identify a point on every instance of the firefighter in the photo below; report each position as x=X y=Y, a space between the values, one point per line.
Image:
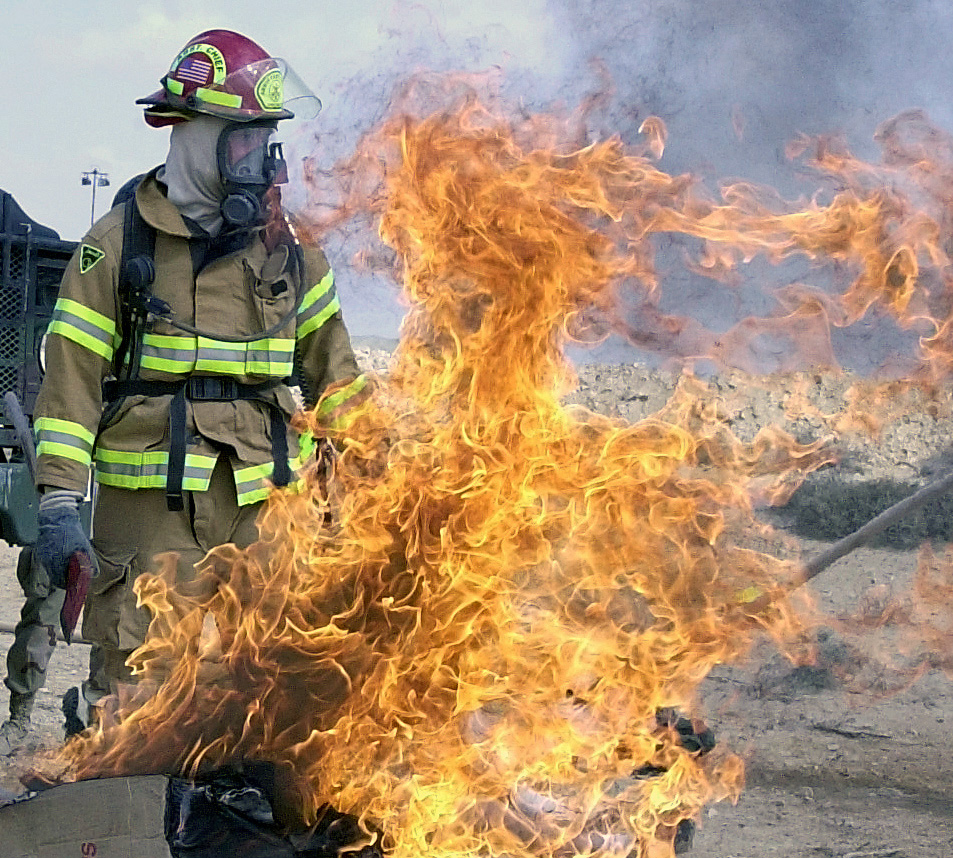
x=177 y=327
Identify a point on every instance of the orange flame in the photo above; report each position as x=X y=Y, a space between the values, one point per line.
x=471 y=656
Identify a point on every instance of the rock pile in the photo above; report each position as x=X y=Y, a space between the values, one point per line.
x=889 y=438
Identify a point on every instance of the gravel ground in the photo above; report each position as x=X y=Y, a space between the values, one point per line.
x=836 y=764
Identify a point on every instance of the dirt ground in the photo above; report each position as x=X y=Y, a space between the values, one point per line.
x=835 y=764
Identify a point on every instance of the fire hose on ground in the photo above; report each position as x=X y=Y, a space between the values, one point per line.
x=879 y=523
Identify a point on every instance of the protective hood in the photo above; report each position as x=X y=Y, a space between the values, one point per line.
x=191 y=171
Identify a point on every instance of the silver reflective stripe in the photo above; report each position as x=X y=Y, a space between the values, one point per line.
x=213 y=355
x=83 y=326
x=183 y=355
x=254 y=483
x=318 y=305
x=168 y=353
x=64 y=438
x=148 y=470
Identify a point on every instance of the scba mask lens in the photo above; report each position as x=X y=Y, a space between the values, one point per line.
x=250 y=162
x=246 y=151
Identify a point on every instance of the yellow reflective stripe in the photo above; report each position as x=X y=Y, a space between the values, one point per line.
x=134 y=457
x=81 y=338
x=250 y=482
x=223 y=99
x=262 y=357
x=337 y=399
x=67 y=427
x=323 y=285
x=318 y=320
x=83 y=326
x=254 y=472
x=183 y=354
x=250 y=485
x=273 y=356
x=168 y=353
x=68 y=305
x=174 y=86
x=226 y=367
x=319 y=304
x=135 y=483
x=245 y=498
x=66 y=451
x=306 y=445
x=160 y=365
x=64 y=438
x=148 y=469
x=216 y=356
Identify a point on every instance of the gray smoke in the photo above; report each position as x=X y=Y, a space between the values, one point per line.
x=734 y=82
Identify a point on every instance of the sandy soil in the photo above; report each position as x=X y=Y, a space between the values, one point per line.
x=835 y=765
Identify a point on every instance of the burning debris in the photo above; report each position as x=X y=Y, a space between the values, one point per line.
x=474 y=637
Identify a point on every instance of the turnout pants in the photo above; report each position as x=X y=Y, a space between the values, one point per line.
x=130 y=529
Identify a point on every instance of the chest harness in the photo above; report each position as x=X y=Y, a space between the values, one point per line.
x=138 y=306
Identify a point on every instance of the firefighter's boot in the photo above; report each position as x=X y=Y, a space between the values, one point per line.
x=15 y=731
x=79 y=712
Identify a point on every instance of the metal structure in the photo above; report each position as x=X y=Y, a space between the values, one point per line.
x=32 y=261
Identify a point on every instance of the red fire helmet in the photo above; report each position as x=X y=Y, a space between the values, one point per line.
x=225 y=74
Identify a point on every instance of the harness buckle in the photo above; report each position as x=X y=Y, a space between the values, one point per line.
x=211 y=388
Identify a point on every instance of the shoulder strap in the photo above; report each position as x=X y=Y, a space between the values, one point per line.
x=136 y=274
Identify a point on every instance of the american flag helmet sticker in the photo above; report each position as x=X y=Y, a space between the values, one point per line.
x=193 y=70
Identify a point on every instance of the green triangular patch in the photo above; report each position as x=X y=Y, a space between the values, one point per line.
x=88 y=257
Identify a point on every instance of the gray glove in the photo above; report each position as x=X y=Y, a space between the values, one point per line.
x=61 y=534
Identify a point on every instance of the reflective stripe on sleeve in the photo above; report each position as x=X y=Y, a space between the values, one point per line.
x=64 y=438
x=83 y=326
x=318 y=305
x=149 y=469
x=337 y=409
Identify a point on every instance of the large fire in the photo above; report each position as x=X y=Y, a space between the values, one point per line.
x=467 y=635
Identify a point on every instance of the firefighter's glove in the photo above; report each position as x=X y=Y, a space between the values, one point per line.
x=61 y=535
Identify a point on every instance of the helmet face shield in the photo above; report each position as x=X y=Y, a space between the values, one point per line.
x=298 y=97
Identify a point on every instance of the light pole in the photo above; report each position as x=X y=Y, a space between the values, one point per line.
x=96 y=179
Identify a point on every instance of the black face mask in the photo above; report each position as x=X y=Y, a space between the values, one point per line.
x=249 y=164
